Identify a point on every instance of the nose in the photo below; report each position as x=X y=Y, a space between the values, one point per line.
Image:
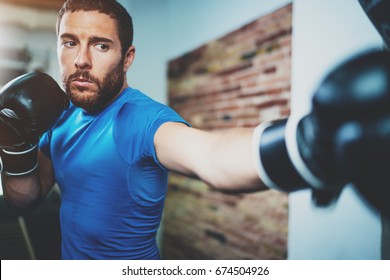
x=83 y=60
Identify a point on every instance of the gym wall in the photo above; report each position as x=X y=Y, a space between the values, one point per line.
x=238 y=80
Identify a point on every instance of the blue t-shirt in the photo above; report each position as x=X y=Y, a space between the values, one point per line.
x=112 y=185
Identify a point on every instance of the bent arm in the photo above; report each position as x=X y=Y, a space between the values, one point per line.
x=24 y=193
x=222 y=159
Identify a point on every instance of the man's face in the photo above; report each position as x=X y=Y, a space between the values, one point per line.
x=89 y=51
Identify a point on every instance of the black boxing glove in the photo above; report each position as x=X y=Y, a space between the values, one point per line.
x=363 y=141
x=300 y=153
x=29 y=106
x=294 y=154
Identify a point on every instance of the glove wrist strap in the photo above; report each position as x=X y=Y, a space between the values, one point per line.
x=273 y=163
x=18 y=161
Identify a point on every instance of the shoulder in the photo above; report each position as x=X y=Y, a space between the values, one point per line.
x=137 y=98
x=137 y=120
x=136 y=106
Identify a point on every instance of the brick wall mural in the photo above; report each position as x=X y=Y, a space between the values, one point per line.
x=240 y=79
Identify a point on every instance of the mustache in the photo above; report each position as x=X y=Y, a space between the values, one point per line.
x=83 y=74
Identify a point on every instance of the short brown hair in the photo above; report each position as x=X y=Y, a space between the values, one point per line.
x=112 y=8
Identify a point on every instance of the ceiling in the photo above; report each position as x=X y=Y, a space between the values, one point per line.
x=41 y=4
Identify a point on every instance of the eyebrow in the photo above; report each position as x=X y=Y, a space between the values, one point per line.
x=91 y=40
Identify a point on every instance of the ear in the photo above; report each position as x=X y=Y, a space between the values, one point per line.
x=129 y=58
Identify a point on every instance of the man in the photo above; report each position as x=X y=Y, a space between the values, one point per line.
x=111 y=149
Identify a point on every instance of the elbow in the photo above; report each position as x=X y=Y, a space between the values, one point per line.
x=229 y=185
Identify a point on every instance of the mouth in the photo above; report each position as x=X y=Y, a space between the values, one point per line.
x=82 y=82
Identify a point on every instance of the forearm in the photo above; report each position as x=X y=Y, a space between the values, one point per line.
x=21 y=193
x=223 y=159
x=230 y=164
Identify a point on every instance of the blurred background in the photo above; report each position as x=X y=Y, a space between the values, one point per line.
x=220 y=64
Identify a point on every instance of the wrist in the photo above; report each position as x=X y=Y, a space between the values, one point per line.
x=272 y=160
x=19 y=160
x=294 y=151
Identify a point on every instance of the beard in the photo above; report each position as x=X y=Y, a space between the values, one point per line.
x=106 y=89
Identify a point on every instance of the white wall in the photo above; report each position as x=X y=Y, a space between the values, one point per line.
x=150 y=39
x=324 y=33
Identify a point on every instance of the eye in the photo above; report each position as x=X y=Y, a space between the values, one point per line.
x=102 y=47
x=69 y=44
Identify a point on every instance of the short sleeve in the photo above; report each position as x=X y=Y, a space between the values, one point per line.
x=44 y=144
x=163 y=115
x=135 y=127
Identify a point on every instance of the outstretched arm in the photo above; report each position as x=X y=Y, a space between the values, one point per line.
x=223 y=159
